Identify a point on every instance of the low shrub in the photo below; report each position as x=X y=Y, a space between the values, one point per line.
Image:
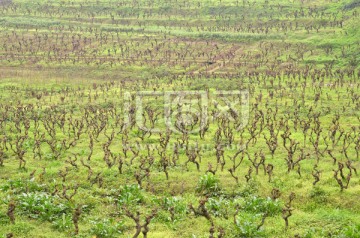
x=208 y=185
x=247 y=225
x=260 y=205
x=106 y=228
x=42 y=206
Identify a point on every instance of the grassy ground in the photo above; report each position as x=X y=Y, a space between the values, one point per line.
x=66 y=68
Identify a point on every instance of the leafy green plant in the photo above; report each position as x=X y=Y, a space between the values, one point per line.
x=41 y=206
x=18 y=186
x=247 y=225
x=219 y=207
x=208 y=185
x=260 y=205
x=251 y=188
x=174 y=209
x=352 y=231
x=130 y=195
x=62 y=224
x=309 y=233
x=106 y=228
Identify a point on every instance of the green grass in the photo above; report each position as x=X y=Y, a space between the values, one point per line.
x=161 y=46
